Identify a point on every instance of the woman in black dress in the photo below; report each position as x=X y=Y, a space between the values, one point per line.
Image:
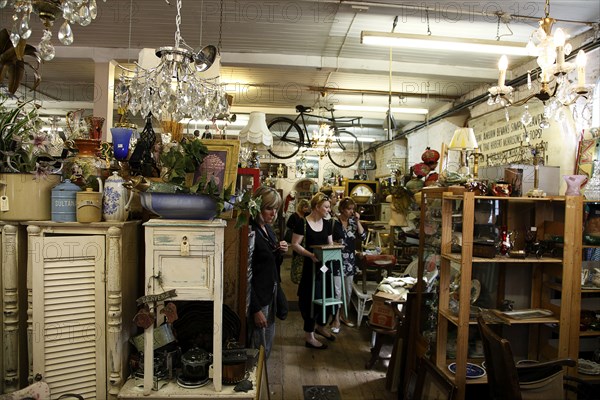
x=317 y=232
x=266 y=261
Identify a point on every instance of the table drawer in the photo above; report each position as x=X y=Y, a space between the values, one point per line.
x=168 y=239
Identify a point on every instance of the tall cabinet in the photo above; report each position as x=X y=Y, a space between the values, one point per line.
x=187 y=256
x=537 y=283
x=586 y=298
x=82 y=283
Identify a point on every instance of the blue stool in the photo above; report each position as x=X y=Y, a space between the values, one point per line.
x=328 y=254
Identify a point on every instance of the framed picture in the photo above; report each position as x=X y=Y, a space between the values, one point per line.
x=247 y=179
x=221 y=162
x=432 y=384
x=307 y=167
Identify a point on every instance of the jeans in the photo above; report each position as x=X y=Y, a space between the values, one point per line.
x=256 y=334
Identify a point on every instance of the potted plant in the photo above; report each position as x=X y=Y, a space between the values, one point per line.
x=27 y=167
x=184 y=195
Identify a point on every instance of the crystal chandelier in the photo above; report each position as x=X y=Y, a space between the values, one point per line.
x=550 y=50
x=321 y=140
x=175 y=88
x=80 y=12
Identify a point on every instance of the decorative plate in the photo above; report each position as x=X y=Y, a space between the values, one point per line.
x=473 y=370
x=475 y=290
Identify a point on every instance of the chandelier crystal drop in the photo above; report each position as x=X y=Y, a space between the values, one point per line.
x=556 y=88
x=81 y=12
x=174 y=89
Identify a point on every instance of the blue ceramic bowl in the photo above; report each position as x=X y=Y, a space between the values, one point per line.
x=179 y=205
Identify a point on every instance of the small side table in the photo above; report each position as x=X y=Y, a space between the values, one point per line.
x=328 y=253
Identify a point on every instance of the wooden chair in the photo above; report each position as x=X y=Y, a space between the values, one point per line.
x=542 y=380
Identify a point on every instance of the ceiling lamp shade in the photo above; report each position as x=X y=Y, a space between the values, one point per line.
x=256 y=131
x=463 y=138
x=412 y=41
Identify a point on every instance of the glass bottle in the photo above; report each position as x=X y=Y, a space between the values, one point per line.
x=592 y=188
x=504 y=241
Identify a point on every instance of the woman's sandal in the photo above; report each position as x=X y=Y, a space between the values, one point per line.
x=347 y=323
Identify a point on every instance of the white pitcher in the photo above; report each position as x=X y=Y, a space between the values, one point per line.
x=116 y=199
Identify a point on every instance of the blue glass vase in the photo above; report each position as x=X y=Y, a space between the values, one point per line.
x=121 y=138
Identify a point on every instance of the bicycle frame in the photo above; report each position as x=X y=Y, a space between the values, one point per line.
x=306 y=140
x=341 y=146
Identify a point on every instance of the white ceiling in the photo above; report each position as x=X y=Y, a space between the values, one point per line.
x=276 y=54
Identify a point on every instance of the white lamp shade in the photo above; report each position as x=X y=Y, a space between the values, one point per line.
x=463 y=138
x=256 y=131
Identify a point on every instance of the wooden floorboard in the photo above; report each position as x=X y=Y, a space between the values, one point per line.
x=292 y=366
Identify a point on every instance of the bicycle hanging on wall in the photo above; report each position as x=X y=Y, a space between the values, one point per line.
x=289 y=137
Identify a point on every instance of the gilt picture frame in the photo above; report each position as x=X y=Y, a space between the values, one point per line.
x=221 y=163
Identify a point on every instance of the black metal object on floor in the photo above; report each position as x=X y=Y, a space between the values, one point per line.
x=321 y=393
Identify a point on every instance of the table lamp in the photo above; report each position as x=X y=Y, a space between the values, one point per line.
x=464 y=141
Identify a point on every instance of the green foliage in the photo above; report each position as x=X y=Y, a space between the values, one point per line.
x=246 y=208
x=182 y=160
x=181 y=163
x=23 y=145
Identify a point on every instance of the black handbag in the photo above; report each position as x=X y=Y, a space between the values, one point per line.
x=281 y=303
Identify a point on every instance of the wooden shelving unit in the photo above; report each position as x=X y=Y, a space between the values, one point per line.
x=583 y=297
x=552 y=278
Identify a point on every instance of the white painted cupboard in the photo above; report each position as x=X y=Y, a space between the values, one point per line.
x=82 y=283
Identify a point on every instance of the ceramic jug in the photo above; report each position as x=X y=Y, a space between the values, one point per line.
x=116 y=200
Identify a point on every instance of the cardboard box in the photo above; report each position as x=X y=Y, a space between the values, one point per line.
x=382 y=315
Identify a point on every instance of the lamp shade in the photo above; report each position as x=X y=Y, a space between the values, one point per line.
x=463 y=138
x=256 y=131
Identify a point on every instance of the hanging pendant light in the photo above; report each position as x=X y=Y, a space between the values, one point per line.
x=175 y=86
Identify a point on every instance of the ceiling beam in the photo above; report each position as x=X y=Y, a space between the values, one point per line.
x=340 y=64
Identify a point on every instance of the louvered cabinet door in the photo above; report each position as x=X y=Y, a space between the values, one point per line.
x=68 y=331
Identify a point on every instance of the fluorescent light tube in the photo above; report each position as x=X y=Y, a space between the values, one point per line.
x=402 y=110
x=412 y=41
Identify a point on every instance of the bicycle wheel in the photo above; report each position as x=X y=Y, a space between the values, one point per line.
x=287 y=137
x=344 y=150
